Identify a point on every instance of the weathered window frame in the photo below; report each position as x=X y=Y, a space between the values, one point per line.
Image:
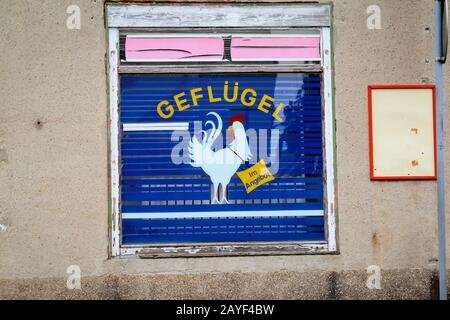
x=162 y=18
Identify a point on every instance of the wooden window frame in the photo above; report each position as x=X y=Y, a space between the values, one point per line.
x=159 y=18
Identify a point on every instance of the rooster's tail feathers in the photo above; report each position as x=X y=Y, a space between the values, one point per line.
x=215 y=132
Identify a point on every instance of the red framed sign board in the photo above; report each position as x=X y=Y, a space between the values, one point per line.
x=402 y=132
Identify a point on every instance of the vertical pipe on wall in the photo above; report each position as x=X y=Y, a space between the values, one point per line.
x=440 y=151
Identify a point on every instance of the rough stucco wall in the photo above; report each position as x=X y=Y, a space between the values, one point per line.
x=53 y=195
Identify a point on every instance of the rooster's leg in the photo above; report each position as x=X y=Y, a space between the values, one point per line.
x=215 y=194
x=224 y=195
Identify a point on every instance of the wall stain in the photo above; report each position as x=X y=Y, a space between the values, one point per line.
x=3 y=156
x=434 y=286
x=332 y=286
x=376 y=240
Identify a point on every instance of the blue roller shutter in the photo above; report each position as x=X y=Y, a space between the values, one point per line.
x=165 y=202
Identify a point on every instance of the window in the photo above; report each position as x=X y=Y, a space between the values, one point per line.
x=221 y=130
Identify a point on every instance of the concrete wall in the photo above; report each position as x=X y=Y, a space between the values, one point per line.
x=54 y=178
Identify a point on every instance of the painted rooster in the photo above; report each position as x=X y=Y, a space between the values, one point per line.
x=220 y=165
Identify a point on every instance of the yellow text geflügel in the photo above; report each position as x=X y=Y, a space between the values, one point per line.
x=248 y=97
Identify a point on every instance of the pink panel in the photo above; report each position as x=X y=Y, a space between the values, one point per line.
x=148 y=49
x=275 y=48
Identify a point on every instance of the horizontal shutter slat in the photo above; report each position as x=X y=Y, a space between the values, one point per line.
x=233 y=221
x=286 y=180
x=222 y=207
x=233 y=229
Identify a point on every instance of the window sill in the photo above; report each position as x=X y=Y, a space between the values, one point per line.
x=228 y=250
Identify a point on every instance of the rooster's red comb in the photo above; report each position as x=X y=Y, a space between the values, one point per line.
x=238 y=117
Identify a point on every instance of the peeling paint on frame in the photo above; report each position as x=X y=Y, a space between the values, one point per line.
x=113 y=55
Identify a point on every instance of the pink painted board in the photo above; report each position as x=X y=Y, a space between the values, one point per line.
x=151 y=49
x=275 y=48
